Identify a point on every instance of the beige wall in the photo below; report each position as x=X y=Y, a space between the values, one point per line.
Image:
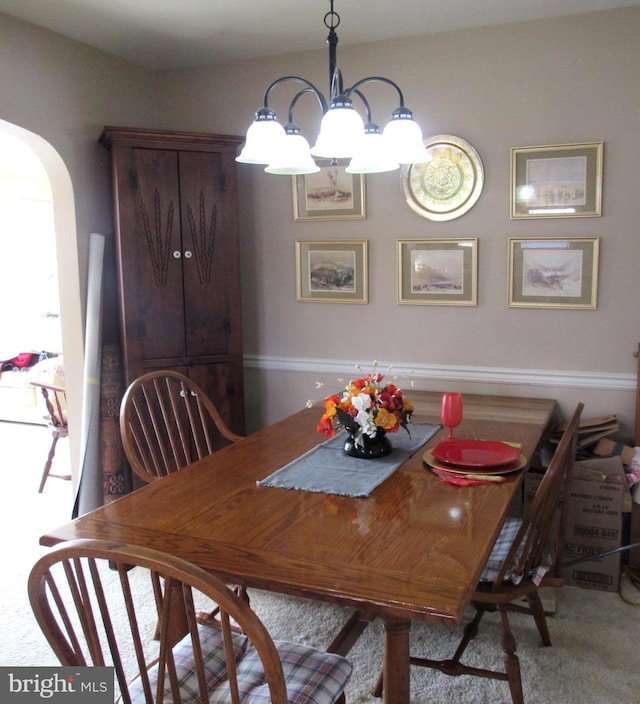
x=567 y=80
x=66 y=92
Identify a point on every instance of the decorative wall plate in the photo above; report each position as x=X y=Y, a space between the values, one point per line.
x=449 y=184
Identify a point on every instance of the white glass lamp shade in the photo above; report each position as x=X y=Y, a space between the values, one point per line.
x=341 y=130
x=293 y=156
x=263 y=139
x=404 y=138
x=372 y=156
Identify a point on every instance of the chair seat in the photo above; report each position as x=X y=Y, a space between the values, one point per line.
x=501 y=549
x=213 y=656
x=311 y=676
x=499 y=554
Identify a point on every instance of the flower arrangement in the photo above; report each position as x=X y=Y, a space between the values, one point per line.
x=365 y=406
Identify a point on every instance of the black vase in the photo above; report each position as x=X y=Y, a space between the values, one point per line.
x=370 y=448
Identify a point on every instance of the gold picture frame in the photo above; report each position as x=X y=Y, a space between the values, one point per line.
x=329 y=194
x=557 y=181
x=441 y=272
x=332 y=271
x=554 y=272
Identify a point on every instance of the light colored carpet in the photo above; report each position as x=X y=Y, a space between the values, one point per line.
x=596 y=635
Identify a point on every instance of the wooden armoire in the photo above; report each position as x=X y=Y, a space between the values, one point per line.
x=177 y=251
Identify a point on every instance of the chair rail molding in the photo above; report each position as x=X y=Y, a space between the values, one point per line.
x=450 y=372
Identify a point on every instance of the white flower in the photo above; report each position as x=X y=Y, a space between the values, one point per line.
x=361 y=402
x=371 y=429
x=363 y=418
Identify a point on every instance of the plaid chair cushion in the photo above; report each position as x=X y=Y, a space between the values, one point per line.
x=312 y=677
x=500 y=550
x=214 y=661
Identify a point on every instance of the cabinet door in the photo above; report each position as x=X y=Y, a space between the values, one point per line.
x=223 y=384
x=151 y=256
x=210 y=254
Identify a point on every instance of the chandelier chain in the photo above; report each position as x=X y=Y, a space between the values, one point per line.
x=332 y=17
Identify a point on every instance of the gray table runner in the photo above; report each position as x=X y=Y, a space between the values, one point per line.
x=326 y=468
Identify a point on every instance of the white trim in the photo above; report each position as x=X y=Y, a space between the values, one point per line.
x=451 y=372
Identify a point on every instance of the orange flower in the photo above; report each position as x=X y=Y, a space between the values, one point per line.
x=387 y=420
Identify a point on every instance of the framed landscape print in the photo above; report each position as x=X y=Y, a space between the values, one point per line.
x=561 y=181
x=329 y=194
x=332 y=271
x=438 y=272
x=554 y=272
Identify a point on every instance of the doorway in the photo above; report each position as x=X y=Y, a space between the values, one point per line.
x=66 y=254
x=30 y=314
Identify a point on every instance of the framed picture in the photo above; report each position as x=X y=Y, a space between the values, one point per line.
x=447 y=185
x=332 y=271
x=562 y=181
x=438 y=272
x=554 y=272
x=329 y=194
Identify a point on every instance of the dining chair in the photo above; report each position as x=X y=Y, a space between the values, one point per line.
x=167 y=422
x=89 y=599
x=526 y=556
x=55 y=400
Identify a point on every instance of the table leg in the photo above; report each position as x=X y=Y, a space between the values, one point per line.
x=396 y=661
x=177 y=623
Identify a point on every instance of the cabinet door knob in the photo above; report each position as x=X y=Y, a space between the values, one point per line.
x=177 y=254
x=188 y=254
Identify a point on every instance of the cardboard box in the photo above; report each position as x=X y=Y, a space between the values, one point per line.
x=608 y=448
x=634 y=536
x=598 y=498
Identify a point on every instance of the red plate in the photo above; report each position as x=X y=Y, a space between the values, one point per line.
x=476 y=453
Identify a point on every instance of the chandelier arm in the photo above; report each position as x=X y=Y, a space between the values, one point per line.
x=380 y=79
x=309 y=88
x=299 y=94
x=365 y=102
x=336 y=87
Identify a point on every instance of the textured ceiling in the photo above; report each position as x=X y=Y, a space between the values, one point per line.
x=165 y=34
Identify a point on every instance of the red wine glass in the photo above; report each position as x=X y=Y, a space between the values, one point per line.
x=451 y=413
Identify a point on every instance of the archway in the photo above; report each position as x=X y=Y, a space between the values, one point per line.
x=69 y=273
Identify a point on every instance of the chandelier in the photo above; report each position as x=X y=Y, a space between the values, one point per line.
x=343 y=133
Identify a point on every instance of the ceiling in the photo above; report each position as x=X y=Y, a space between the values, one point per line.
x=166 y=34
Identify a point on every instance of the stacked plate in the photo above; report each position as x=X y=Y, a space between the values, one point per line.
x=470 y=457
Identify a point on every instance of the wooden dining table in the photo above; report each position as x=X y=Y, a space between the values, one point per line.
x=413 y=549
